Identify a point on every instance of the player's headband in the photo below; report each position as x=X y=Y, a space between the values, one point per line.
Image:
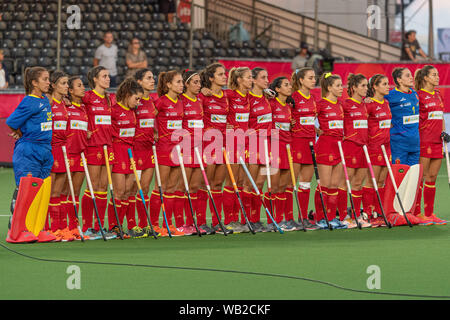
x=328 y=75
x=187 y=80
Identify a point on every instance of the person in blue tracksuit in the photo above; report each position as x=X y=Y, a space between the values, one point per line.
x=404 y=104
x=31 y=126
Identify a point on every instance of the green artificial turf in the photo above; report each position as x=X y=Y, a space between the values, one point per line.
x=411 y=261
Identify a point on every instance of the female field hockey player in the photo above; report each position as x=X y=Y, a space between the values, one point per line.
x=215 y=111
x=98 y=108
x=379 y=125
x=259 y=124
x=169 y=119
x=144 y=140
x=193 y=124
x=57 y=208
x=240 y=81
x=330 y=115
x=77 y=141
x=281 y=136
x=431 y=127
x=303 y=132
x=123 y=122
x=404 y=104
x=355 y=136
x=31 y=126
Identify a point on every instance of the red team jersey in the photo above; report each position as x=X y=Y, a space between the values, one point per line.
x=239 y=111
x=59 y=119
x=169 y=118
x=431 y=110
x=192 y=116
x=99 y=115
x=330 y=116
x=260 y=113
x=123 y=122
x=281 y=120
x=355 y=121
x=304 y=114
x=77 y=128
x=379 y=123
x=215 y=111
x=145 y=124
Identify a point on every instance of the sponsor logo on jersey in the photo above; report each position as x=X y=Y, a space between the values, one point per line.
x=147 y=123
x=435 y=115
x=385 y=124
x=411 y=119
x=60 y=125
x=359 y=124
x=127 y=132
x=336 y=124
x=307 y=121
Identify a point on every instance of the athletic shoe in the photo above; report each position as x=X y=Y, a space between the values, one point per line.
x=137 y=232
x=218 y=229
x=257 y=226
x=65 y=234
x=188 y=230
x=237 y=227
x=115 y=230
x=175 y=231
x=76 y=234
x=436 y=220
x=309 y=225
x=57 y=235
x=207 y=229
x=363 y=223
x=295 y=225
x=159 y=231
x=271 y=227
x=45 y=236
x=337 y=224
x=110 y=235
x=285 y=226
x=92 y=234
x=350 y=223
x=322 y=224
x=424 y=220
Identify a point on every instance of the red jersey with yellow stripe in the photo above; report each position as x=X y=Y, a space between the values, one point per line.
x=123 y=121
x=379 y=122
x=281 y=120
x=304 y=114
x=215 y=111
x=331 y=118
x=145 y=124
x=355 y=121
x=99 y=115
x=239 y=112
x=260 y=113
x=192 y=115
x=59 y=120
x=431 y=116
x=169 y=118
x=77 y=128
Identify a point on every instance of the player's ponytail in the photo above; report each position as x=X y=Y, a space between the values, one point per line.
x=31 y=74
x=374 y=81
x=327 y=80
x=419 y=77
x=163 y=79
x=127 y=88
x=233 y=76
x=299 y=75
x=353 y=80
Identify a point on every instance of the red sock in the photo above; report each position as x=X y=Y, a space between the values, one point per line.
x=228 y=204
x=101 y=199
x=155 y=208
x=342 y=203
x=169 y=203
x=202 y=203
x=419 y=200
x=142 y=215
x=429 y=192
x=112 y=221
x=280 y=205
x=357 y=199
x=367 y=200
x=236 y=205
x=187 y=208
x=87 y=210
x=289 y=206
x=46 y=226
x=53 y=211
x=247 y=202
x=64 y=210
x=256 y=208
x=217 y=196
x=318 y=203
x=73 y=219
x=332 y=197
x=131 y=212
x=303 y=199
x=270 y=206
x=178 y=209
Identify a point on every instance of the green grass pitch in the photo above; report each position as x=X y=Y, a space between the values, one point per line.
x=411 y=261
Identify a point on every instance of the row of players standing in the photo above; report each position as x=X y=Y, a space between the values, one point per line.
x=90 y=121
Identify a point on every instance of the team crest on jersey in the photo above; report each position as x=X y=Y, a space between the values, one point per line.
x=429 y=150
x=99 y=156
x=56 y=164
x=330 y=157
x=379 y=157
x=299 y=155
x=354 y=160
x=124 y=165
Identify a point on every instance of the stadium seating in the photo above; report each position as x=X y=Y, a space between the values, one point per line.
x=28 y=36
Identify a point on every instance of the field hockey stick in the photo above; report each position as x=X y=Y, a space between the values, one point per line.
x=347 y=182
x=391 y=175
x=375 y=186
x=91 y=190
x=208 y=188
x=133 y=167
x=259 y=194
x=158 y=179
x=316 y=173
x=230 y=172
x=447 y=161
x=186 y=187
x=72 y=192
x=111 y=190
x=269 y=183
x=294 y=183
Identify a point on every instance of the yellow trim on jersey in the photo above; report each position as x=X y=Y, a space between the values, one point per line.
x=402 y=91
x=380 y=102
x=186 y=96
x=432 y=93
x=330 y=101
x=76 y=104
x=123 y=107
x=174 y=101
x=146 y=99
x=283 y=104
x=93 y=90
x=240 y=93
x=358 y=102
x=35 y=96
x=58 y=102
x=255 y=95
x=306 y=97
x=219 y=96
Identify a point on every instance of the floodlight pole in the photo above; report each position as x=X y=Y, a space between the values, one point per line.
x=430 y=30
x=58 y=47
x=191 y=34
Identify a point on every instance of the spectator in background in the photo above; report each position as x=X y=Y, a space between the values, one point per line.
x=106 y=56
x=135 y=57
x=411 y=48
x=168 y=7
x=3 y=73
x=300 y=60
